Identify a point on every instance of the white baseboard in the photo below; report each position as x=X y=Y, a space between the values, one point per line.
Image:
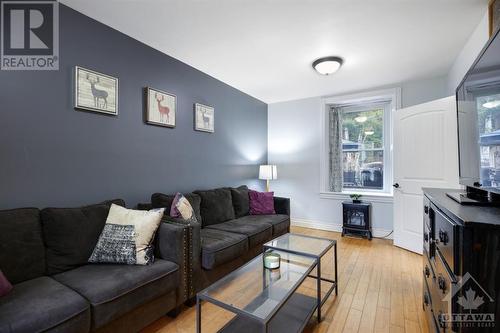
x=336 y=227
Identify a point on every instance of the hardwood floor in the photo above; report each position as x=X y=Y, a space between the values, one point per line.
x=379 y=291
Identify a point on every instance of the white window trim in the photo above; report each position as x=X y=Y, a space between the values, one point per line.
x=393 y=94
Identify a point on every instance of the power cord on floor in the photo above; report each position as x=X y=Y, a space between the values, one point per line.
x=385 y=235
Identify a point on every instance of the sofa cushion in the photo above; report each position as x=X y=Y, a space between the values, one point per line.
x=219 y=247
x=279 y=222
x=43 y=304
x=216 y=206
x=257 y=233
x=114 y=290
x=160 y=200
x=71 y=234
x=22 y=253
x=241 y=201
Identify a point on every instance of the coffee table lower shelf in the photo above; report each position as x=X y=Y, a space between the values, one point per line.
x=292 y=317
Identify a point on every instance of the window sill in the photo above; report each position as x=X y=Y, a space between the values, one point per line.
x=369 y=197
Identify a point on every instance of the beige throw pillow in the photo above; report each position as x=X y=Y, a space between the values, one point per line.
x=127 y=237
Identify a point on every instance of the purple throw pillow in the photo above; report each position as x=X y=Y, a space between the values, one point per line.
x=261 y=203
x=181 y=208
x=5 y=285
x=174 y=212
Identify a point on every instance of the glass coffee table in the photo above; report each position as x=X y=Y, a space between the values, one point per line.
x=314 y=248
x=266 y=300
x=263 y=300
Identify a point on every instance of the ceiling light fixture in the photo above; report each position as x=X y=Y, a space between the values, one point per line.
x=492 y=104
x=361 y=119
x=327 y=65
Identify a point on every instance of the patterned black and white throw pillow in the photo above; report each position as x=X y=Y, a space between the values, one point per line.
x=127 y=237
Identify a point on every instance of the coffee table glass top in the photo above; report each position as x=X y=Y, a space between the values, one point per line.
x=257 y=291
x=301 y=244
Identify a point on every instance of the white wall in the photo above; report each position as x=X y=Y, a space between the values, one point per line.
x=421 y=91
x=469 y=53
x=294 y=146
x=294 y=136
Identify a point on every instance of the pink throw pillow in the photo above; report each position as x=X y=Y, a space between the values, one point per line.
x=261 y=203
x=5 y=285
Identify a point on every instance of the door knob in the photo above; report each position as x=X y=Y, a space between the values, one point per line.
x=395 y=185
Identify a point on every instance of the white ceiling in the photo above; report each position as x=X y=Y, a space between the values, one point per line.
x=265 y=47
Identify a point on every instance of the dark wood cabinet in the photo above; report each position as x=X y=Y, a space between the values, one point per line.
x=461 y=265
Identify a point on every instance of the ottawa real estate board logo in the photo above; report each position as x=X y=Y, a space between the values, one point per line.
x=470 y=305
x=29 y=35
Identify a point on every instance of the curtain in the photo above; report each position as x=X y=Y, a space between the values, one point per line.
x=335 y=143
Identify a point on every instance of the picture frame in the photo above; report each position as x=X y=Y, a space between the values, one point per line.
x=96 y=92
x=204 y=118
x=161 y=108
x=493 y=15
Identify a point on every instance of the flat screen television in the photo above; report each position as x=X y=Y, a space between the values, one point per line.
x=478 y=113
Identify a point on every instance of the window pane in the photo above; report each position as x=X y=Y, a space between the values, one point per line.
x=364 y=170
x=488 y=108
x=363 y=130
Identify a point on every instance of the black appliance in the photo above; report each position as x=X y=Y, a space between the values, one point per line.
x=356 y=219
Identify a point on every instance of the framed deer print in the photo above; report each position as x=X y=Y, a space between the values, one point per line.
x=95 y=91
x=493 y=15
x=204 y=118
x=160 y=108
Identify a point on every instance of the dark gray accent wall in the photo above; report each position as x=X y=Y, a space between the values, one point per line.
x=52 y=155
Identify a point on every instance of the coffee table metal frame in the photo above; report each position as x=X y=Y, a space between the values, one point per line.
x=317 y=258
x=200 y=296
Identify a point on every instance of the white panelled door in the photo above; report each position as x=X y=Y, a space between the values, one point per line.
x=425 y=155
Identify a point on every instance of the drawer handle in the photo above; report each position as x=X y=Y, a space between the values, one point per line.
x=426 y=237
x=427 y=271
x=442 y=284
x=441 y=320
x=443 y=237
x=426 y=299
x=426 y=209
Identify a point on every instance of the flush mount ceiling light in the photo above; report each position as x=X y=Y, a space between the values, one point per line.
x=361 y=119
x=327 y=65
x=491 y=104
x=369 y=132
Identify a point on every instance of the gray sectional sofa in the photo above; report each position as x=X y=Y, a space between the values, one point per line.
x=44 y=255
x=226 y=236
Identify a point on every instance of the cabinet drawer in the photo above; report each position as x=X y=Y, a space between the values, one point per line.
x=444 y=281
x=427 y=303
x=427 y=210
x=428 y=241
x=445 y=237
x=428 y=271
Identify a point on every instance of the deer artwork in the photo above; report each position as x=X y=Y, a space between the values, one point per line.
x=163 y=110
x=206 y=119
x=98 y=93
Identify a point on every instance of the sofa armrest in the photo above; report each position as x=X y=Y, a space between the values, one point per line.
x=194 y=252
x=282 y=205
x=172 y=244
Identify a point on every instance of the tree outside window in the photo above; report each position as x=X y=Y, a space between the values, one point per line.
x=363 y=148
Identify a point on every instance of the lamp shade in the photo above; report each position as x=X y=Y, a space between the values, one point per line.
x=268 y=172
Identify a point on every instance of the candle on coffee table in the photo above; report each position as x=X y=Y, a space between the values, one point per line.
x=271 y=260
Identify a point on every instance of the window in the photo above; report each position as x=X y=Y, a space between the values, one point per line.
x=363 y=147
x=356 y=151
